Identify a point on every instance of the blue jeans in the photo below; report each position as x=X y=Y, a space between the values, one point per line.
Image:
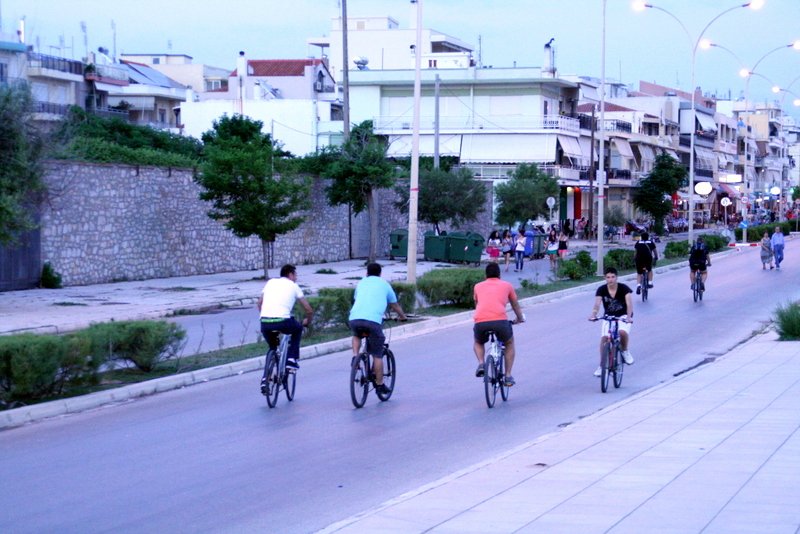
x=518 y=254
x=288 y=326
x=778 y=251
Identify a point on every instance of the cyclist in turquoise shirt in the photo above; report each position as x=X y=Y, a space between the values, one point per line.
x=373 y=294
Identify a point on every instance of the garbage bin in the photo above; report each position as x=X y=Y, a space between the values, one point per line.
x=473 y=248
x=398 y=244
x=435 y=247
x=457 y=245
x=537 y=249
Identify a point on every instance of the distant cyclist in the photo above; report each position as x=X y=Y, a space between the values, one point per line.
x=276 y=304
x=373 y=294
x=645 y=256
x=699 y=260
x=617 y=301
x=491 y=298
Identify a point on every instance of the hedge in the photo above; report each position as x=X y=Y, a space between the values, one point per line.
x=450 y=286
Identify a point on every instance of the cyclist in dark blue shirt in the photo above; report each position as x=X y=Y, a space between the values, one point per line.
x=699 y=259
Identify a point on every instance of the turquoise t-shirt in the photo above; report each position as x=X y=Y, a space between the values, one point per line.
x=373 y=294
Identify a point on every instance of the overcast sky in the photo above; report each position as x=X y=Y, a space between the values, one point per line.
x=647 y=45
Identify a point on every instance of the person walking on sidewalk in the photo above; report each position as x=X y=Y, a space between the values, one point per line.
x=552 y=249
x=491 y=298
x=493 y=246
x=276 y=304
x=519 y=250
x=507 y=247
x=777 y=246
x=617 y=301
x=372 y=295
x=766 y=252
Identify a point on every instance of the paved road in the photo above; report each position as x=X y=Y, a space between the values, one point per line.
x=214 y=458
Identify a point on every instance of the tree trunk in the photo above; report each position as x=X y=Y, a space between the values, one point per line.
x=373 y=225
x=266 y=258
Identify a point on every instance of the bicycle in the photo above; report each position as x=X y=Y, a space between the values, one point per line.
x=494 y=370
x=276 y=375
x=698 y=287
x=362 y=378
x=611 y=362
x=645 y=284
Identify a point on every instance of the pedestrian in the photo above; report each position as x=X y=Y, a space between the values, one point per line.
x=552 y=248
x=507 y=247
x=563 y=238
x=493 y=246
x=777 y=246
x=766 y=252
x=567 y=228
x=519 y=250
x=582 y=228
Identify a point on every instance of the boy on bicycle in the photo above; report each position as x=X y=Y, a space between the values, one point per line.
x=645 y=255
x=699 y=259
x=617 y=301
x=373 y=294
x=491 y=297
x=276 y=304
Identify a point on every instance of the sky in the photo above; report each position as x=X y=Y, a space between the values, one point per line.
x=649 y=45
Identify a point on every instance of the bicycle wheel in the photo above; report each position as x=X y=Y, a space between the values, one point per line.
x=389 y=374
x=700 y=293
x=359 y=380
x=501 y=375
x=644 y=288
x=490 y=381
x=619 y=367
x=605 y=366
x=289 y=383
x=273 y=382
x=695 y=292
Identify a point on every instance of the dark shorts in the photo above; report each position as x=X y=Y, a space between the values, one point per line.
x=641 y=265
x=373 y=332
x=697 y=267
x=501 y=328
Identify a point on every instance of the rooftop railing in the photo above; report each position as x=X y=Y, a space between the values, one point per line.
x=495 y=122
x=60 y=64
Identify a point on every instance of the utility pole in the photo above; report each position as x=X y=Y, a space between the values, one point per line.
x=592 y=173
x=345 y=77
x=413 y=193
x=601 y=178
x=436 y=123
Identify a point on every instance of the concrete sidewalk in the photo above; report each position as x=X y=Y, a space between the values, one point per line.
x=714 y=450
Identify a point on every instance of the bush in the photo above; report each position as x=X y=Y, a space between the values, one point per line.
x=581 y=266
x=450 y=286
x=585 y=260
x=787 y=321
x=406 y=296
x=715 y=242
x=677 y=249
x=50 y=278
x=754 y=233
x=142 y=343
x=35 y=366
x=619 y=258
x=103 y=151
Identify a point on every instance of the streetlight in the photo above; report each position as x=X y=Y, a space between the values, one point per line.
x=601 y=175
x=641 y=5
x=749 y=73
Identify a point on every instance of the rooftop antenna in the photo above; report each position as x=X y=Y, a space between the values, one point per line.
x=169 y=45
x=85 y=39
x=480 y=51
x=114 y=39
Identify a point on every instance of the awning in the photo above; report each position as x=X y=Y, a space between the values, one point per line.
x=586 y=148
x=707 y=122
x=108 y=88
x=571 y=147
x=400 y=145
x=704 y=158
x=672 y=154
x=589 y=94
x=750 y=173
x=761 y=148
x=624 y=148
x=646 y=152
x=508 y=148
x=730 y=190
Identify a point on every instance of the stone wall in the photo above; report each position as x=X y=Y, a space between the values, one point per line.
x=105 y=223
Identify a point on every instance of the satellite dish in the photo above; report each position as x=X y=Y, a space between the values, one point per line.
x=361 y=62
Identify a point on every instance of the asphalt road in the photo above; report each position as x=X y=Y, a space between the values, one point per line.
x=214 y=458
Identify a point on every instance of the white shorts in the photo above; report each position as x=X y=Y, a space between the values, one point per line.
x=623 y=327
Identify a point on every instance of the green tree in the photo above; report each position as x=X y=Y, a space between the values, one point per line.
x=524 y=196
x=445 y=196
x=360 y=170
x=237 y=178
x=652 y=195
x=21 y=150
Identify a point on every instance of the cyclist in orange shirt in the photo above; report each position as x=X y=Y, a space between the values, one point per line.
x=491 y=298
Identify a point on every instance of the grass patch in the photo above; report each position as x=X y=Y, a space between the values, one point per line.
x=67 y=303
x=354 y=278
x=787 y=322
x=179 y=289
x=326 y=271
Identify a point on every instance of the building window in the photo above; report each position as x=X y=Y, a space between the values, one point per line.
x=156 y=60
x=162 y=116
x=3 y=73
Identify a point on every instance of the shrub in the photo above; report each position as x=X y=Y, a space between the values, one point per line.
x=787 y=321
x=142 y=343
x=571 y=269
x=327 y=313
x=585 y=260
x=104 y=151
x=50 y=278
x=619 y=258
x=406 y=296
x=715 y=242
x=450 y=286
x=677 y=249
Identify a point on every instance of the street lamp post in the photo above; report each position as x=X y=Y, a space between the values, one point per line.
x=601 y=174
x=694 y=43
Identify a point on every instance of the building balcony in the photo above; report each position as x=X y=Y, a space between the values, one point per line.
x=50 y=108
x=388 y=125
x=614 y=125
x=106 y=74
x=44 y=66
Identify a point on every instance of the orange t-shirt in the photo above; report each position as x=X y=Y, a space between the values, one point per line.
x=492 y=295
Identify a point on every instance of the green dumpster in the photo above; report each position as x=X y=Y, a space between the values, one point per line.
x=474 y=248
x=398 y=244
x=435 y=248
x=457 y=245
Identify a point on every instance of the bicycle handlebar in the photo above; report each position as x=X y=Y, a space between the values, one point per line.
x=623 y=318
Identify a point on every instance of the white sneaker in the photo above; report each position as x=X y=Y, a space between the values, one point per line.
x=626 y=355
x=598 y=371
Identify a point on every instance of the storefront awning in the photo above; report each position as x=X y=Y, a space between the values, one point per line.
x=730 y=190
x=508 y=148
x=624 y=148
x=571 y=147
